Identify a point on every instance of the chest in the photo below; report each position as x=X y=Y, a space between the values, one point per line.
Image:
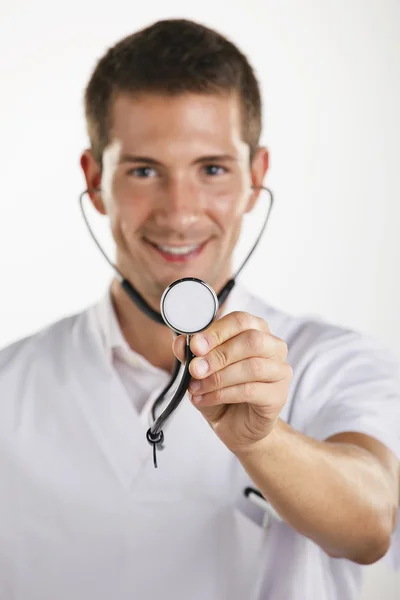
x=87 y=510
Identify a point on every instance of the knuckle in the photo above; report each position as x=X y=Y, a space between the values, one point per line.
x=263 y=324
x=221 y=356
x=243 y=319
x=275 y=370
x=255 y=340
x=281 y=371
x=214 y=338
x=248 y=390
x=256 y=368
x=218 y=396
x=283 y=348
x=289 y=371
x=217 y=379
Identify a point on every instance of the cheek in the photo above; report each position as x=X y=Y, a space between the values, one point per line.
x=228 y=211
x=127 y=217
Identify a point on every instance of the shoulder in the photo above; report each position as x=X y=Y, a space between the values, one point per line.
x=316 y=345
x=304 y=329
x=36 y=372
x=44 y=344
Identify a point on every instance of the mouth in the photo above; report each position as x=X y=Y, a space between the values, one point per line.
x=178 y=254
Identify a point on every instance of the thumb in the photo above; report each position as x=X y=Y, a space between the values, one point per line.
x=179 y=347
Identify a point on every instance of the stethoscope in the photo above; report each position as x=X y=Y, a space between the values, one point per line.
x=187 y=306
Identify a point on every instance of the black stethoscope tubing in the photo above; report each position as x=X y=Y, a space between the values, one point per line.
x=155 y=434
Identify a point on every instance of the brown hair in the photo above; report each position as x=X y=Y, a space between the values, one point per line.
x=173 y=56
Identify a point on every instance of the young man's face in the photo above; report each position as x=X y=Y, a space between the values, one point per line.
x=175 y=184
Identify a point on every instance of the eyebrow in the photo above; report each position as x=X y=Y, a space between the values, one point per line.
x=128 y=158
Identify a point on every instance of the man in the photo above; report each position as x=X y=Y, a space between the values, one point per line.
x=305 y=412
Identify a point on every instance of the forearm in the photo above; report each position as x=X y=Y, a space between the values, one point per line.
x=335 y=494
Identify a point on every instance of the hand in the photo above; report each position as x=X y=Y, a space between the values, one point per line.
x=246 y=382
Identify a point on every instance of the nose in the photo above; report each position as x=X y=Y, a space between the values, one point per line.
x=179 y=205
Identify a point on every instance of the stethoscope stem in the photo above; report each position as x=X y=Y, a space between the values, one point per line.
x=155 y=435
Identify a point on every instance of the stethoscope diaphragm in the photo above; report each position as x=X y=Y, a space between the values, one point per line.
x=189 y=305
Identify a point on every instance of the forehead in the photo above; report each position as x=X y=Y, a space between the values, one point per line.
x=147 y=119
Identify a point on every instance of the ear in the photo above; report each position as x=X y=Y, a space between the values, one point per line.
x=92 y=172
x=258 y=169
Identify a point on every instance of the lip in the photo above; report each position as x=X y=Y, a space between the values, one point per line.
x=181 y=259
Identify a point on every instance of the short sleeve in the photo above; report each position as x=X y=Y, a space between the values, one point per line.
x=364 y=396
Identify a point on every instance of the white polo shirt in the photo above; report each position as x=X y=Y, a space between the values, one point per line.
x=83 y=513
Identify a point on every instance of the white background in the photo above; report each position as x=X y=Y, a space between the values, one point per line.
x=329 y=73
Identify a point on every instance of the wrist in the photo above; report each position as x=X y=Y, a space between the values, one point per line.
x=264 y=448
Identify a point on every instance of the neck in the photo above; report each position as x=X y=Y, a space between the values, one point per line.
x=146 y=337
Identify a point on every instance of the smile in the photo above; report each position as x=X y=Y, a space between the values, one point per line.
x=178 y=253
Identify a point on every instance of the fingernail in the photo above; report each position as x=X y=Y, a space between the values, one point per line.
x=201 y=344
x=196 y=399
x=201 y=367
x=194 y=385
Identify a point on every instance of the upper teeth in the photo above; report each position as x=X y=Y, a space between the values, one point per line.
x=180 y=250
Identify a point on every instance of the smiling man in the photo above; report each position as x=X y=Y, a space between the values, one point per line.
x=305 y=413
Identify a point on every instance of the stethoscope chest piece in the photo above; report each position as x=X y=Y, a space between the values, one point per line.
x=189 y=305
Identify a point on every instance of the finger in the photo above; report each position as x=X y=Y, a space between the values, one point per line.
x=270 y=396
x=223 y=329
x=264 y=370
x=250 y=343
x=179 y=347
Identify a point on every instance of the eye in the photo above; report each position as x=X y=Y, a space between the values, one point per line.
x=142 y=172
x=215 y=170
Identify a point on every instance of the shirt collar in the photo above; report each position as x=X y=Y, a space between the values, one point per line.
x=108 y=324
